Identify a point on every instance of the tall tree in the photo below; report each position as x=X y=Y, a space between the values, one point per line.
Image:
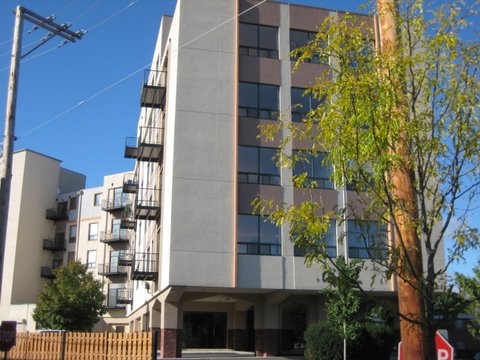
x=73 y=301
x=413 y=110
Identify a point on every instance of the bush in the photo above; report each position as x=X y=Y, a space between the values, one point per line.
x=376 y=336
x=375 y=342
x=322 y=343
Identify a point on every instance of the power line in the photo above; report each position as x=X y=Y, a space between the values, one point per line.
x=82 y=102
x=91 y=29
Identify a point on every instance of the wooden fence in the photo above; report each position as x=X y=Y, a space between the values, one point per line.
x=84 y=346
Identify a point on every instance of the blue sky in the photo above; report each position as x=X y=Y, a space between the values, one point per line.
x=122 y=34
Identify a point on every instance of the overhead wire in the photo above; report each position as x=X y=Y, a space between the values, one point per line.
x=90 y=29
x=107 y=88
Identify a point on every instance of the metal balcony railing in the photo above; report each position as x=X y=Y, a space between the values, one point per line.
x=56 y=244
x=147 y=147
x=118 y=298
x=47 y=272
x=112 y=269
x=57 y=214
x=154 y=89
x=147 y=204
x=144 y=266
x=125 y=259
x=130 y=183
x=115 y=204
x=115 y=237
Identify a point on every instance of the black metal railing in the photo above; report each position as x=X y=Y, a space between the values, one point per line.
x=154 y=89
x=57 y=214
x=113 y=237
x=144 y=266
x=111 y=269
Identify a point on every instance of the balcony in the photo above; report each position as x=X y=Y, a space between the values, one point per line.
x=55 y=244
x=154 y=89
x=112 y=270
x=115 y=204
x=144 y=267
x=147 y=147
x=124 y=296
x=125 y=259
x=130 y=183
x=147 y=204
x=47 y=272
x=57 y=214
x=121 y=236
x=128 y=223
x=118 y=298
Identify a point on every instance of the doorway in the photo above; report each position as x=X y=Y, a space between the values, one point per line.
x=204 y=330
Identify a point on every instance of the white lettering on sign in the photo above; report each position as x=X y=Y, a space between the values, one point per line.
x=442 y=354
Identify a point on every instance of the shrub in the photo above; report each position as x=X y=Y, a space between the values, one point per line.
x=322 y=343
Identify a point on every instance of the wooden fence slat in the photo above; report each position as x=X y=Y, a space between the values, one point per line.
x=83 y=346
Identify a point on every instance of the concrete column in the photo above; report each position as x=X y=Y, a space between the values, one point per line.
x=170 y=331
x=268 y=334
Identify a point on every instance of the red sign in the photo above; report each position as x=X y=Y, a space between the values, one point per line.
x=444 y=349
x=8 y=335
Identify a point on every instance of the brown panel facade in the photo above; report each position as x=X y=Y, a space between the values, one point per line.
x=306 y=18
x=267 y=13
x=306 y=74
x=259 y=70
x=248 y=192
x=248 y=131
x=326 y=197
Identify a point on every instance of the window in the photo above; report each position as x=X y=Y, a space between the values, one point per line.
x=93 y=231
x=70 y=256
x=317 y=170
x=258 y=100
x=113 y=294
x=73 y=233
x=258 y=40
x=56 y=263
x=257 y=236
x=91 y=258
x=97 y=199
x=256 y=165
x=117 y=231
x=328 y=241
x=74 y=203
x=115 y=257
x=119 y=198
x=299 y=38
x=366 y=239
x=302 y=103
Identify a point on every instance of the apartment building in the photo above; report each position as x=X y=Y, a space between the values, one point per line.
x=42 y=231
x=54 y=219
x=205 y=270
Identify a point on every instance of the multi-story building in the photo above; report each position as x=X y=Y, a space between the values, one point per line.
x=42 y=231
x=53 y=219
x=205 y=270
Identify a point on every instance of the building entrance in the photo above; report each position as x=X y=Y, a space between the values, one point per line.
x=204 y=330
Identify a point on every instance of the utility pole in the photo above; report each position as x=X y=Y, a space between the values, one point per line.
x=410 y=299
x=21 y=13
